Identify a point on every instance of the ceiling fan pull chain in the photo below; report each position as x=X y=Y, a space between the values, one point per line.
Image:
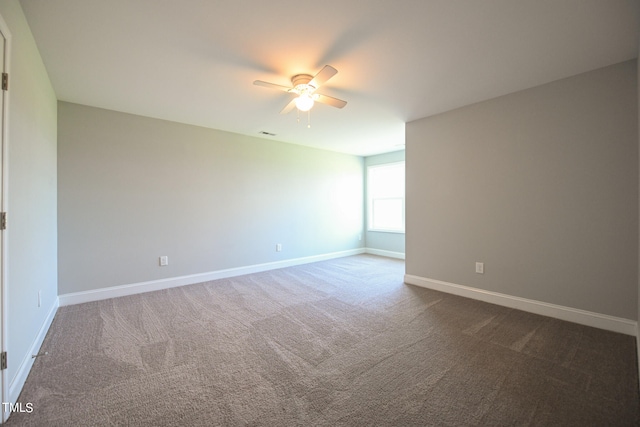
x=309 y=119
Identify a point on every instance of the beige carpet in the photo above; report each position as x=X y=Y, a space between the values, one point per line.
x=335 y=343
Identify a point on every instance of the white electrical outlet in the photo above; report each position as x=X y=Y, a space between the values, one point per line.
x=164 y=260
x=279 y=247
x=480 y=267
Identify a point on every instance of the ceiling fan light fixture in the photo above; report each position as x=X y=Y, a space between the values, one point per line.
x=304 y=86
x=304 y=102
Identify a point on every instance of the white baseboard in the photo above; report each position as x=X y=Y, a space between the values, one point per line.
x=638 y=351
x=156 y=285
x=382 y=252
x=583 y=317
x=16 y=384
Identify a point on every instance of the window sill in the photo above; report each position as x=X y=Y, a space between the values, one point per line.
x=375 y=230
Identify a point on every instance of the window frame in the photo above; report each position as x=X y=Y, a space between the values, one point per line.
x=371 y=198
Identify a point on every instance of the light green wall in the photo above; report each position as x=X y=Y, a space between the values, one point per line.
x=392 y=242
x=132 y=189
x=31 y=200
x=540 y=185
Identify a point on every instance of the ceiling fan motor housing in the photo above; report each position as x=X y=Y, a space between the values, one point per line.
x=301 y=82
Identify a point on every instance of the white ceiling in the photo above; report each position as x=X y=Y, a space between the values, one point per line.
x=194 y=61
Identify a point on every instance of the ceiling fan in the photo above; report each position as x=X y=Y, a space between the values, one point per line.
x=305 y=86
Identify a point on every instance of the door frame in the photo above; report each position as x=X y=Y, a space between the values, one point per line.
x=4 y=138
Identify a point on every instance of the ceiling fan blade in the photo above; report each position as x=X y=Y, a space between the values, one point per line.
x=290 y=106
x=329 y=100
x=325 y=74
x=272 y=85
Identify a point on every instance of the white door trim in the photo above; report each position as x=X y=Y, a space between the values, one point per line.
x=4 y=139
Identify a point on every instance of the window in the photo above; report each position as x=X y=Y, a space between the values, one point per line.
x=385 y=197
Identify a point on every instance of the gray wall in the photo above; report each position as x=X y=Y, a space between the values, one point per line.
x=393 y=242
x=31 y=233
x=133 y=188
x=540 y=185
